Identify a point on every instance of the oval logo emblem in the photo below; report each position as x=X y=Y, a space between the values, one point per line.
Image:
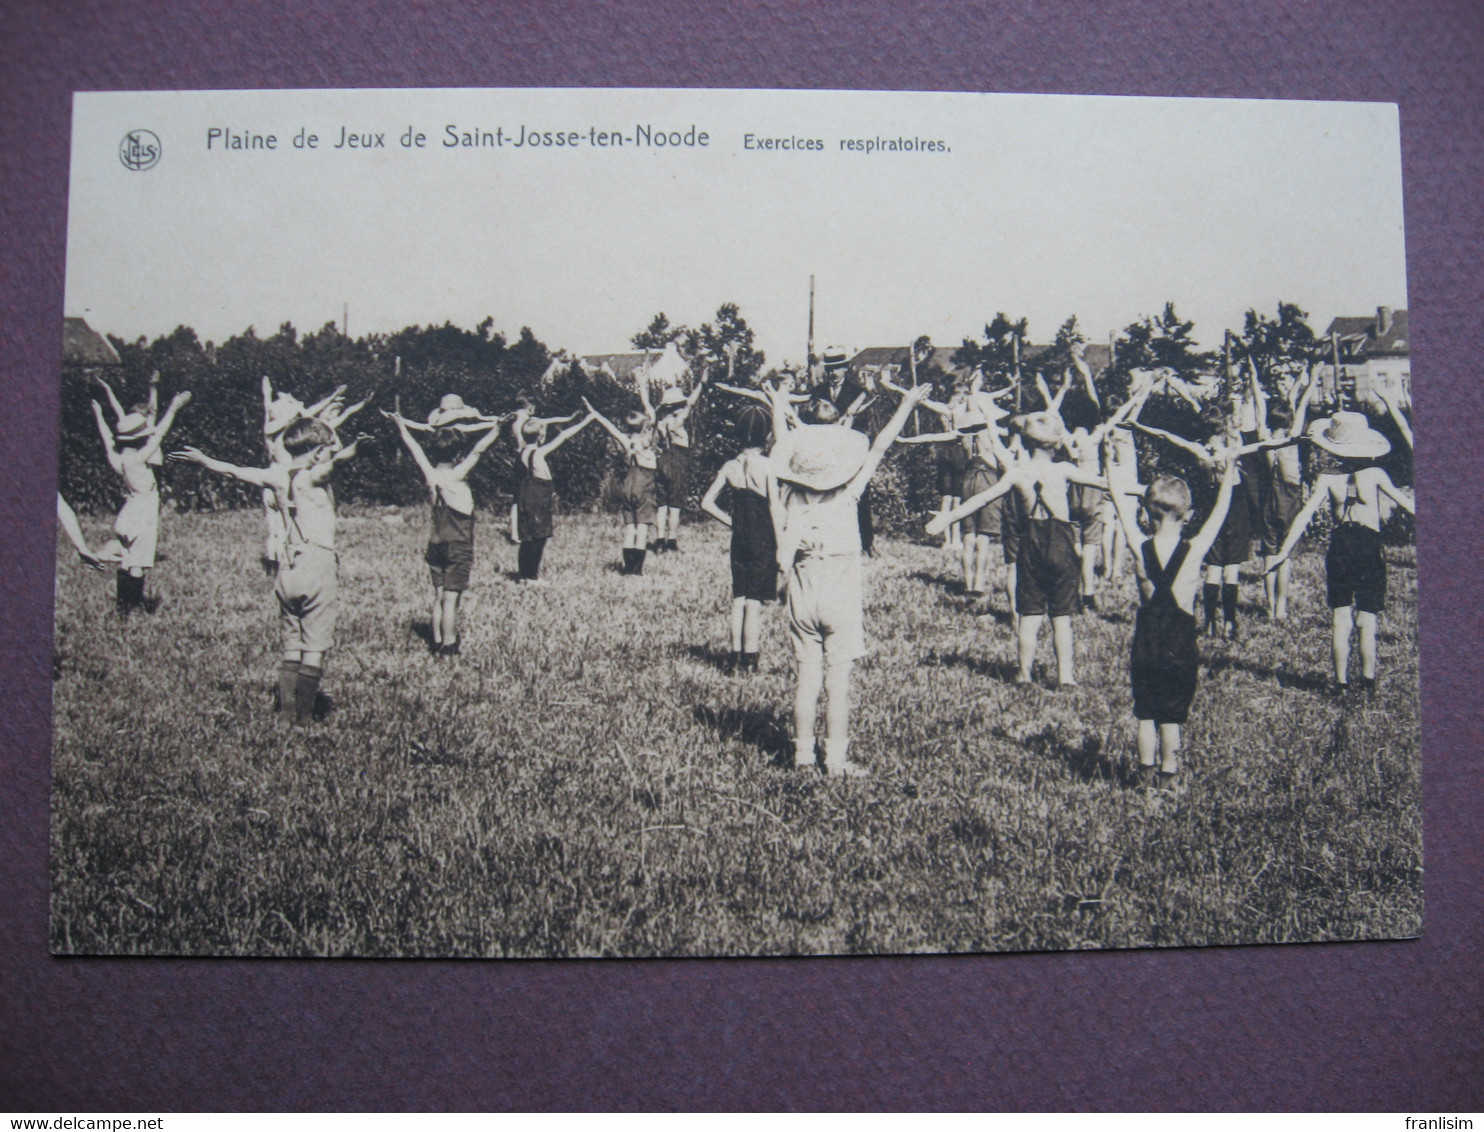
x=140 y=150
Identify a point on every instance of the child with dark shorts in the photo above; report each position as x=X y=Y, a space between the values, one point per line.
x=671 y=421
x=1048 y=575
x=535 y=498
x=450 y=555
x=639 y=492
x=1164 y=660
x=754 y=549
x=1355 y=571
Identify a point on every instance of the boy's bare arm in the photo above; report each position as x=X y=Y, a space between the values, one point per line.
x=419 y=457
x=1301 y=520
x=258 y=477
x=107 y=434
x=945 y=519
x=319 y=473
x=1402 y=496
x=708 y=501
x=113 y=401
x=613 y=429
x=1301 y=410
x=177 y=403
x=324 y=403
x=565 y=435
x=928 y=438
x=267 y=386
x=1259 y=401
x=1179 y=441
x=1396 y=415
x=884 y=441
x=1123 y=507
x=481 y=446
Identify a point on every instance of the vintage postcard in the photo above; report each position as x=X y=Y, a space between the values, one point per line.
x=548 y=523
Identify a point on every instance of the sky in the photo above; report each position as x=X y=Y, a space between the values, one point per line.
x=1037 y=205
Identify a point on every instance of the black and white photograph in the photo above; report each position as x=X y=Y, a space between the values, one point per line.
x=629 y=523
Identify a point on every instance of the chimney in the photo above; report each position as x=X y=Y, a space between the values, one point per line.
x=1383 y=321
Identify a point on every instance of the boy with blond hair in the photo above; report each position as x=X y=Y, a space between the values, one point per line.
x=817 y=475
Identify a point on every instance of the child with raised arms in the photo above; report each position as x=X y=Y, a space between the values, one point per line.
x=1164 y=660
x=754 y=549
x=1355 y=570
x=308 y=584
x=445 y=466
x=132 y=454
x=817 y=474
x=639 y=493
x=536 y=496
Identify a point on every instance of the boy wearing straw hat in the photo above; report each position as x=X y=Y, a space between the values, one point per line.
x=817 y=475
x=1048 y=571
x=131 y=453
x=672 y=418
x=1355 y=570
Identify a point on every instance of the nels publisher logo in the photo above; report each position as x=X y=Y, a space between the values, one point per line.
x=140 y=150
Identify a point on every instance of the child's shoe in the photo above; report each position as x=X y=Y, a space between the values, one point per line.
x=837 y=765
x=804 y=756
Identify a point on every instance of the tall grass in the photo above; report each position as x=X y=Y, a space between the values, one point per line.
x=587 y=781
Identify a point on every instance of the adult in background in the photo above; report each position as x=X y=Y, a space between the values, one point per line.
x=844 y=390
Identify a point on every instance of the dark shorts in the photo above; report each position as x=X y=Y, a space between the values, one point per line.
x=1355 y=571
x=1283 y=503
x=450 y=563
x=953 y=462
x=673 y=483
x=1048 y=577
x=1010 y=523
x=639 y=495
x=1164 y=662
x=986 y=520
x=534 y=500
x=1233 y=545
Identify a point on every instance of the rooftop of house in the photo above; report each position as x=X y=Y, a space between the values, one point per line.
x=1384 y=333
x=84 y=346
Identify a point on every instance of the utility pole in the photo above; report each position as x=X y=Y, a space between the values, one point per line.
x=809 y=349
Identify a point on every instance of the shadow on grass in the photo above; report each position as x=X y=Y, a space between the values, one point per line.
x=719 y=659
x=1284 y=677
x=763 y=727
x=1003 y=671
x=1084 y=758
x=948 y=585
x=423 y=631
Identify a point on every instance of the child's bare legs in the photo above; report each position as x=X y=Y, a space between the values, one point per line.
x=1061 y=638
x=1010 y=597
x=837 y=721
x=1169 y=748
x=953 y=536
x=1030 y=629
x=982 y=549
x=1276 y=586
x=514 y=522
x=1148 y=743
x=739 y=623
x=968 y=551
x=662 y=526
x=1367 y=623
x=806 y=709
x=1114 y=544
x=634 y=535
x=449 y=614
x=1344 y=622
x=1090 y=551
x=752 y=626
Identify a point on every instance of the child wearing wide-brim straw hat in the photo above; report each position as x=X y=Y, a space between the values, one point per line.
x=817 y=474
x=1355 y=569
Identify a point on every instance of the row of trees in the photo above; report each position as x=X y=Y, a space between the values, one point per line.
x=412 y=368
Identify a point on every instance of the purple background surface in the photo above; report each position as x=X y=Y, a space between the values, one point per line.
x=1358 y=1026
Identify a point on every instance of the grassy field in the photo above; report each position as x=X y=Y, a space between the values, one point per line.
x=586 y=780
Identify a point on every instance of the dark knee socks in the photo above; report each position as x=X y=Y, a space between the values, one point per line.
x=1212 y=602
x=633 y=561
x=530 y=558
x=1229 y=603
x=130 y=591
x=306 y=692
x=288 y=685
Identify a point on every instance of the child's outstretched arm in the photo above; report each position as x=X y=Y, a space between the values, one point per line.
x=336 y=419
x=113 y=401
x=257 y=477
x=708 y=501
x=1179 y=441
x=613 y=430
x=177 y=403
x=1301 y=410
x=73 y=530
x=481 y=446
x=108 y=446
x=1401 y=495
x=739 y=391
x=884 y=440
x=325 y=402
x=945 y=519
x=1080 y=363
x=928 y=438
x=152 y=402
x=419 y=457
x=1123 y=506
x=1259 y=401
x=1301 y=521
x=565 y=435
